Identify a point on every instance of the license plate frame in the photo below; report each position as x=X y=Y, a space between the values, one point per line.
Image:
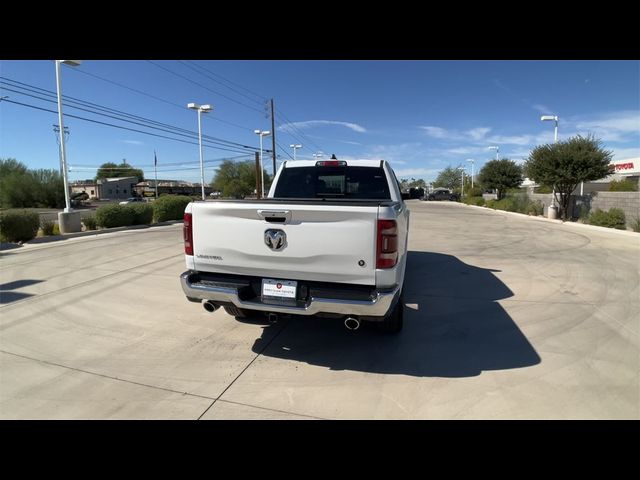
x=279 y=290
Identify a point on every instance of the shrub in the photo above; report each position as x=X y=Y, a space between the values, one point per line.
x=111 y=216
x=543 y=189
x=18 y=225
x=142 y=213
x=475 y=191
x=89 y=222
x=47 y=227
x=614 y=218
x=535 y=208
x=623 y=186
x=635 y=224
x=170 y=208
x=479 y=201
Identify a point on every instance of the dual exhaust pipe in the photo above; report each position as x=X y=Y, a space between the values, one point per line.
x=352 y=323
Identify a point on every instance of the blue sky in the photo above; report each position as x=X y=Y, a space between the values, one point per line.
x=422 y=116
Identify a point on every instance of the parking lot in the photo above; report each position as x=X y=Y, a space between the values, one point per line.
x=506 y=318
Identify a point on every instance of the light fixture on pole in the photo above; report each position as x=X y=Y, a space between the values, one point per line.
x=200 y=109
x=462 y=181
x=472 y=172
x=497 y=149
x=295 y=147
x=63 y=150
x=262 y=133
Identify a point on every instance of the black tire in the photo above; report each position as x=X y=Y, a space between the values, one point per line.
x=236 y=312
x=394 y=321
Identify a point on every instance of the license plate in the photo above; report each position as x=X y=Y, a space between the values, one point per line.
x=279 y=288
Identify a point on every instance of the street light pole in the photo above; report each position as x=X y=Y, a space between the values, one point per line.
x=472 y=172
x=546 y=118
x=262 y=133
x=295 y=147
x=63 y=150
x=461 y=182
x=200 y=109
x=497 y=149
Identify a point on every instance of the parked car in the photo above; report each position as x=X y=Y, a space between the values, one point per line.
x=443 y=194
x=132 y=200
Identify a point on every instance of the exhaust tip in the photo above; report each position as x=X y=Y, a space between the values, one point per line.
x=273 y=317
x=352 y=323
x=209 y=306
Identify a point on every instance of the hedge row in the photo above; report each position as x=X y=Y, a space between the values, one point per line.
x=517 y=203
x=614 y=218
x=18 y=225
x=170 y=208
x=163 y=209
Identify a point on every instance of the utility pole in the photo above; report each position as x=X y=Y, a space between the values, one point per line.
x=258 y=186
x=155 y=171
x=273 y=136
x=56 y=130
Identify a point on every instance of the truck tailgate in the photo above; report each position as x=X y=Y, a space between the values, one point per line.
x=323 y=244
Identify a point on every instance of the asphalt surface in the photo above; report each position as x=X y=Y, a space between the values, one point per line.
x=506 y=318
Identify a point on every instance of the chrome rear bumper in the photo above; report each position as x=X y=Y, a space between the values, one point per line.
x=376 y=307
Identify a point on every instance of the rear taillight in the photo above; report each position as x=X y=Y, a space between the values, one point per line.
x=387 y=244
x=187 y=233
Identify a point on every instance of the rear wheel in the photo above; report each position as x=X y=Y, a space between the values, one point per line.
x=236 y=312
x=394 y=321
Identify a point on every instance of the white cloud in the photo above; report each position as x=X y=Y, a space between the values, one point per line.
x=436 y=132
x=288 y=127
x=625 y=153
x=478 y=133
x=621 y=126
x=417 y=172
x=542 y=108
x=465 y=150
x=133 y=142
x=511 y=140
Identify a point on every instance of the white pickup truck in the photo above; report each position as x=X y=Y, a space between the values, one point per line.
x=329 y=240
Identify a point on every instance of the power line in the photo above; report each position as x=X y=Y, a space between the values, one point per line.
x=181 y=107
x=291 y=125
x=285 y=151
x=118 y=126
x=194 y=66
x=204 y=86
x=261 y=98
x=72 y=100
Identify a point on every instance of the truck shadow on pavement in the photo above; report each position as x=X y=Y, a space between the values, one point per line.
x=8 y=296
x=453 y=327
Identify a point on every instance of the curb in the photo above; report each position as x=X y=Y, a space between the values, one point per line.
x=559 y=222
x=88 y=233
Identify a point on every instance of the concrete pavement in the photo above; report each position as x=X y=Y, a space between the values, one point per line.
x=505 y=318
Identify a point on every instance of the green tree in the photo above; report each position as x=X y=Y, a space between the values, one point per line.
x=565 y=164
x=112 y=170
x=24 y=188
x=449 y=178
x=237 y=179
x=501 y=175
x=16 y=185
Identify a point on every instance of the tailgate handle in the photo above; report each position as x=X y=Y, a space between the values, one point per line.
x=275 y=216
